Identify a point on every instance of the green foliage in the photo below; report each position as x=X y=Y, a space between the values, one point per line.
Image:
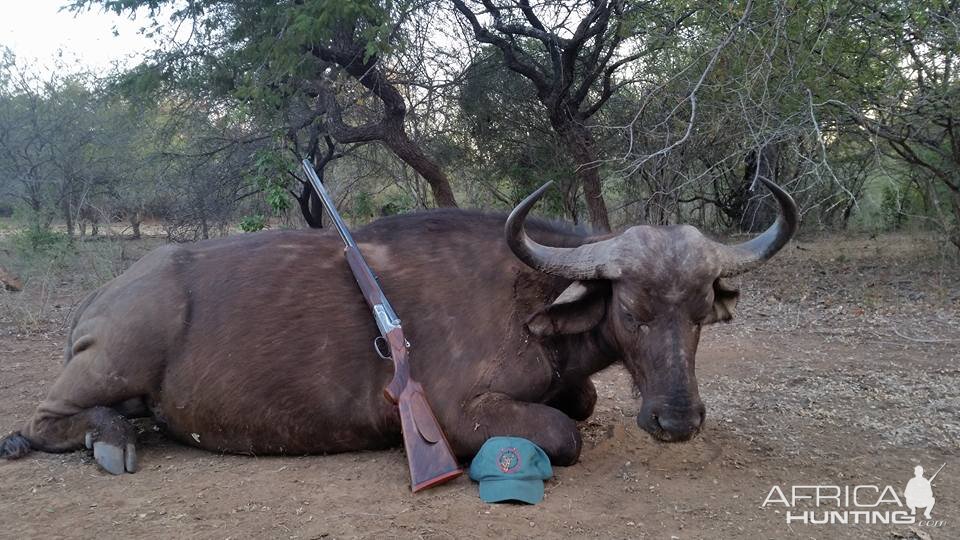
x=898 y=203
x=397 y=202
x=270 y=177
x=37 y=240
x=39 y=251
x=254 y=223
x=316 y=21
x=890 y=208
x=255 y=51
x=363 y=205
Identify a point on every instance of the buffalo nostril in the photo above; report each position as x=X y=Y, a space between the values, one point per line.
x=648 y=422
x=669 y=423
x=672 y=424
x=679 y=425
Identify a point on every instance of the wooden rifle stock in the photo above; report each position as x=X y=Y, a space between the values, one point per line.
x=428 y=453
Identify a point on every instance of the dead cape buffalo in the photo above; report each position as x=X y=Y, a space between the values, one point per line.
x=262 y=343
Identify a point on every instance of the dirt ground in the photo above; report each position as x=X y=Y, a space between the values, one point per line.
x=841 y=369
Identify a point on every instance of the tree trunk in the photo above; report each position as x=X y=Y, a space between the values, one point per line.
x=411 y=154
x=596 y=207
x=570 y=204
x=758 y=212
x=135 y=224
x=954 y=235
x=390 y=130
x=847 y=212
x=68 y=217
x=578 y=141
x=310 y=206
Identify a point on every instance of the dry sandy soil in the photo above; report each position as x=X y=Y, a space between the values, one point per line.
x=841 y=369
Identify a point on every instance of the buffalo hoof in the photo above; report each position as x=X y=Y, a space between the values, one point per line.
x=113 y=458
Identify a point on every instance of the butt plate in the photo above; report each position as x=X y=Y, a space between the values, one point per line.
x=435 y=481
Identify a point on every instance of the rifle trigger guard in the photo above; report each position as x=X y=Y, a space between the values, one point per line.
x=381 y=342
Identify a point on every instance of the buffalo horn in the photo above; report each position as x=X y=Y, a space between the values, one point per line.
x=583 y=262
x=598 y=260
x=744 y=257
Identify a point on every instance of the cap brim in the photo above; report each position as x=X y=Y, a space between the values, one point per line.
x=528 y=491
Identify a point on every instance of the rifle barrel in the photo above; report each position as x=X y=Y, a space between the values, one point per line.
x=936 y=473
x=328 y=203
x=348 y=239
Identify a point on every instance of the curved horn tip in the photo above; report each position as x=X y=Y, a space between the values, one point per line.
x=748 y=255
x=539 y=191
x=516 y=217
x=563 y=262
x=785 y=199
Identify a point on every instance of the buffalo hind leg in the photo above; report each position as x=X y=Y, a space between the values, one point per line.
x=101 y=429
x=576 y=400
x=77 y=412
x=493 y=414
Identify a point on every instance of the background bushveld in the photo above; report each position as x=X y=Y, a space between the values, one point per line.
x=655 y=112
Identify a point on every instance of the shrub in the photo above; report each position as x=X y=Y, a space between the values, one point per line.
x=253 y=223
x=39 y=240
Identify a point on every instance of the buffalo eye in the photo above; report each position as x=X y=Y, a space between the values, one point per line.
x=633 y=322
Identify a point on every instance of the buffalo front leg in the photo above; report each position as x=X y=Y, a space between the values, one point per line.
x=77 y=412
x=576 y=400
x=494 y=414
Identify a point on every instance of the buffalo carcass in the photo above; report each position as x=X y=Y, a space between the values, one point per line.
x=262 y=344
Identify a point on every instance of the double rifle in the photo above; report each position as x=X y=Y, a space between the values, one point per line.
x=428 y=453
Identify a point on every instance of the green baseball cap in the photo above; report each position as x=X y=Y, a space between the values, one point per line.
x=510 y=469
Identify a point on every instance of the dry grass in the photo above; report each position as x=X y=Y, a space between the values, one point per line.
x=55 y=277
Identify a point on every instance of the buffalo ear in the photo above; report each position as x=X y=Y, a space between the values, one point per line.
x=725 y=299
x=579 y=308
